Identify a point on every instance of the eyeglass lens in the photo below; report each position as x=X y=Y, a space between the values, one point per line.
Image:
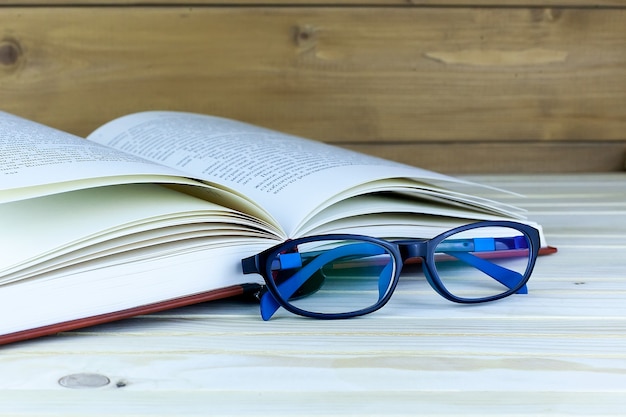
x=482 y=262
x=334 y=276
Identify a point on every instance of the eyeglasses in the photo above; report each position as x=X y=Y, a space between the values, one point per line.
x=342 y=276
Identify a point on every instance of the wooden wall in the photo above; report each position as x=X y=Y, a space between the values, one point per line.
x=453 y=85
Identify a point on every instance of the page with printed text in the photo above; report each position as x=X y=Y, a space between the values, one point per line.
x=39 y=160
x=289 y=176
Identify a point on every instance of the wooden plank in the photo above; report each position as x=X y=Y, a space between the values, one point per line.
x=289 y=3
x=503 y=157
x=559 y=350
x=351 y=74
x=435 y=402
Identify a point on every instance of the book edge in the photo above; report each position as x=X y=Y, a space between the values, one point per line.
x=75 y=324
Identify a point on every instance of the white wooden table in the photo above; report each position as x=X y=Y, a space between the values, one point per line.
x=560 y=350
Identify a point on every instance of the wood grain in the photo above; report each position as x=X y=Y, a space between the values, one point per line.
x=502 y=156
x=292 y=3
x=395 y=81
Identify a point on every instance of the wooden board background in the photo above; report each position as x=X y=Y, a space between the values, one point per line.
x=456 y=86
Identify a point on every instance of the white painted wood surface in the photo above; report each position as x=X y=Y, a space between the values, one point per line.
x=560 y=350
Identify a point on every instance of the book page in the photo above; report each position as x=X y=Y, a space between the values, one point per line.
x=115 y=224
x=69 y=295
x=289 y=176
x=39 y=160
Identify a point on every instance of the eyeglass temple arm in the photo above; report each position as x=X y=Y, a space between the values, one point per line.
x=269 y=305
x=460 y=249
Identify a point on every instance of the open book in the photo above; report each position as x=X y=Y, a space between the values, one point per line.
x=157 y=209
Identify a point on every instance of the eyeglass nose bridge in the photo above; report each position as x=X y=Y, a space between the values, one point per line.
x=414 y=248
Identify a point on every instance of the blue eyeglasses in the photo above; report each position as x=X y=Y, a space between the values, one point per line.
x=342 y=276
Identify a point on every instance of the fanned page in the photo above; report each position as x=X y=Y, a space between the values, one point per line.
x=111 y=225
x=290 y=177
x=118 y=247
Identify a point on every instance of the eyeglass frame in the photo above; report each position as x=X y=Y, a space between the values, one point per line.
x=401 y=251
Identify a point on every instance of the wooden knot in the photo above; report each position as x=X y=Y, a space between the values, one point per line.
x=305 y=36
x=84 y=381
x=10 y=53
